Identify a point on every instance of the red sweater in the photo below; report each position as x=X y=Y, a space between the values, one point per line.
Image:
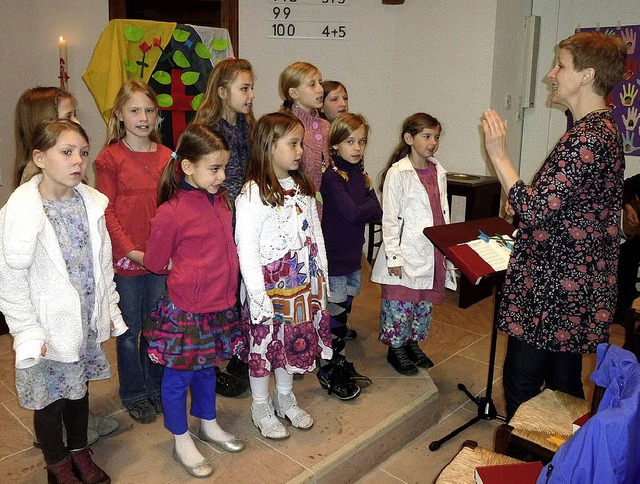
x=198 y=238
x=130 y=180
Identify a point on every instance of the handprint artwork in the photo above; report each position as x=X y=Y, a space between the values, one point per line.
x=627 y=143
x=624 y=101
x=630 y=121
x=628 y=36
x=628 y=95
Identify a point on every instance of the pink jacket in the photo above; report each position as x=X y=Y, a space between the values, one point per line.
x=197 y=236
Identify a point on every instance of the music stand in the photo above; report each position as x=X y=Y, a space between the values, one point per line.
x=444 y=237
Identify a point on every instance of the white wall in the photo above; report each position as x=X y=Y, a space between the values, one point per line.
x=434 y=56
x=30 y=58
x=544 y=124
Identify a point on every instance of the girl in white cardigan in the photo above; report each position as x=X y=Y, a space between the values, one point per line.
x=284 y=319
x=411 y=270
x=58 y=296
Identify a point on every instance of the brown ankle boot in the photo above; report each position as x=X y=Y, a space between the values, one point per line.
x=86 y=469
x=62 y=473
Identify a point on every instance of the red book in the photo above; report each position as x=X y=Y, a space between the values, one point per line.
x=580 y=421
x=469 y=262
x=521 y=473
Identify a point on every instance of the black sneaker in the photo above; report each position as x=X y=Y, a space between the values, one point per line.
x=349 y=368
x=157 y=405
x=142 y=412
x=400 y=361
x=229 y=385
x=238 y=368
x=417 y=356
x=337 y=382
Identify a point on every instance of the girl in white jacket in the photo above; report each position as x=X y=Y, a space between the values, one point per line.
x=411 y=270
x=58 y=296
x=285 y=322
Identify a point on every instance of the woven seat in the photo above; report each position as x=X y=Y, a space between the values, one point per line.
x=549 y=414
x=461 y=469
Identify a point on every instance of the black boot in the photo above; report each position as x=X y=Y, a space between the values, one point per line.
x=399 y=359
x=361 y=380
x=334 y=378
x=417 y=356
x=229 y=385
x=238 y=368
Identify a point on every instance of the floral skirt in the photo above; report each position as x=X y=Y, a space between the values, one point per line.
x=402 y=321
x=49 y=381
x=299 y=331
x=183 y=340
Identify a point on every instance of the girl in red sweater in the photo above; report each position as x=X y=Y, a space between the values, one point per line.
x=128 y=171
x=196 y=322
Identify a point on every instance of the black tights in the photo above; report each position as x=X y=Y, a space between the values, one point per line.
x=48 y=421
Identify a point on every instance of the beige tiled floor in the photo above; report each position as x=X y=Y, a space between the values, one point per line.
x=458 y=343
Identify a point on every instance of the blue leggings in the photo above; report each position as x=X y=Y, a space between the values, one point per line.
x=174 y=397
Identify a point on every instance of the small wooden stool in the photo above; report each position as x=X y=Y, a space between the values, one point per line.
x=461 y=469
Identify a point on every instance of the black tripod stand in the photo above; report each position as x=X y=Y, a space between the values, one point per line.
x=486 y=408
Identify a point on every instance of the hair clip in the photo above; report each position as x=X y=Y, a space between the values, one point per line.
x=231 y=58
x=174 y=155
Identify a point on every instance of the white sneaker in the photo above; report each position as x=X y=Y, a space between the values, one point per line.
x=286 y=405
x=264 y=418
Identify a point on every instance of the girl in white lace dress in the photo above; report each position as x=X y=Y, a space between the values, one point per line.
x=284 y=319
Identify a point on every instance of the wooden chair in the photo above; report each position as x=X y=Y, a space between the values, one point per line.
x=461 y=469
x=552 y=413
x=547 y=415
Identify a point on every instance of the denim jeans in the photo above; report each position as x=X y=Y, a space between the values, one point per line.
x=139 y=378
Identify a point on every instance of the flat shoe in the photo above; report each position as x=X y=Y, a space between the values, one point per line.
x=103 y=425
x=232 y=445
x=201 y=469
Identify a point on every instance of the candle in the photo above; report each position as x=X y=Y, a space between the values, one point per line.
x=62 y=51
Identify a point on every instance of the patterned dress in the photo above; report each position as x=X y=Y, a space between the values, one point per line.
x=48 y=381
x=298 y=332
x=560 y=289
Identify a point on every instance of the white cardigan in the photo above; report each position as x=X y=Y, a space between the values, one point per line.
x=265 y=234
x=36 y=295
x=406 y=212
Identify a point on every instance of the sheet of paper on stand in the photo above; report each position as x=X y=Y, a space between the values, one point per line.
x=492 y=252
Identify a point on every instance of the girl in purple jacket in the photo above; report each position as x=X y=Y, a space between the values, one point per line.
x=350 y=203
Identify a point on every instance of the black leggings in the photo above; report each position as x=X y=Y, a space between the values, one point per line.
x=48 y=421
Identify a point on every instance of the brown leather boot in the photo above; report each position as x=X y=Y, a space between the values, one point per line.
x=62 y=473
x=86 y=469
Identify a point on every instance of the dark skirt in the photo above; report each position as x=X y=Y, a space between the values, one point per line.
x=183 y=340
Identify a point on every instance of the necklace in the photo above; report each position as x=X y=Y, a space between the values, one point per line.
x=129 y=146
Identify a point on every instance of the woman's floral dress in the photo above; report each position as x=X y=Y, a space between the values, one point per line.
x=560 y=289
